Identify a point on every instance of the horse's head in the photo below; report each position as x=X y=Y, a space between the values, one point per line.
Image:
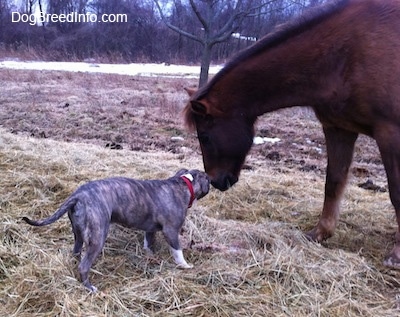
x=225 y=139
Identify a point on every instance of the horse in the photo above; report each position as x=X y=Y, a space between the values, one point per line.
x=343 y=61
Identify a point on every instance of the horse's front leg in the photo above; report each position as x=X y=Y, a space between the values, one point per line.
x=340 y=147
x=388 y=139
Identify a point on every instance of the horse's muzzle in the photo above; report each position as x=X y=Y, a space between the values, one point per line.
x=225 y=182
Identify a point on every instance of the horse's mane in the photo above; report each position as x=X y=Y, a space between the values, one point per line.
x=279 y=35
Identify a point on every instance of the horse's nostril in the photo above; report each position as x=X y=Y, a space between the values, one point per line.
x=219 y=185
x=231 y=180
x=225 y=182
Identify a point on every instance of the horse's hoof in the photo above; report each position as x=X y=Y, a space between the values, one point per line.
x=317 y=235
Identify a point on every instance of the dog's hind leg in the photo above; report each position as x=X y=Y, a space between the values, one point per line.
x=94 y=245
x=93 y=250
x=78 y=226
x=172 y=237
x=78 y=241
x=76 y=252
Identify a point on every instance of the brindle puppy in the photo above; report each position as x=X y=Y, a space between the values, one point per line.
x=149 y=205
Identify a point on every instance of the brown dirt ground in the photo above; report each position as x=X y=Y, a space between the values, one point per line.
x=142 y=114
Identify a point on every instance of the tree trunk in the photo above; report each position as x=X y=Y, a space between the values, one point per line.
x=41 y=11
x=205 y=64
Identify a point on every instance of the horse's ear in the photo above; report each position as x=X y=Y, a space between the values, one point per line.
x=190 y=91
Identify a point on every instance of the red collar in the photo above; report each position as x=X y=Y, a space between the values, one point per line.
x=190 y=186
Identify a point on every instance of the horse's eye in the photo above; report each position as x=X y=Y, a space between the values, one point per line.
x=204 y=139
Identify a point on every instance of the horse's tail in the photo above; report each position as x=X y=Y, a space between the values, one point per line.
x=65 y=207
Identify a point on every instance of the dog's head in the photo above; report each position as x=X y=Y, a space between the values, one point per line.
x=200 y=183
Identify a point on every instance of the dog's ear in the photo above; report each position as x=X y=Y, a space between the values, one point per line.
x=202 y=180
x=206 y=183
x=181 y=172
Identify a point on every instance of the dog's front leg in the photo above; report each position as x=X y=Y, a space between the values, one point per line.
x=172 y=237
x=179 y=259
x=148 y=243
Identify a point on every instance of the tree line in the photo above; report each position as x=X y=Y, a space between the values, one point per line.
x=173 y=31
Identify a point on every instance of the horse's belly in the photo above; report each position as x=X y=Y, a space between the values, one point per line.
x=346 y=120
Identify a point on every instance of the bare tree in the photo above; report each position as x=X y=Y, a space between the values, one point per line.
x=209 y=13
x=66 y=7
x=219 y=19
x=199 y=26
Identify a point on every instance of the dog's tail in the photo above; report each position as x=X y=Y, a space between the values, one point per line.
x=65 y=207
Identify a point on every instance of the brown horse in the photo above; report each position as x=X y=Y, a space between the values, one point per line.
x=343 y=61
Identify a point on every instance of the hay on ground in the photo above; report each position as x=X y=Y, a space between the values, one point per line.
x=250 y=257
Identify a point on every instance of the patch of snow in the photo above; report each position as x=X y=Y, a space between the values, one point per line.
x=177 y=139
x=261 y=140
x=317 y=149
x=134 y=69
x=242 y=37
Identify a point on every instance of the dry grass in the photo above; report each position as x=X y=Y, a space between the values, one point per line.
x=246 y=244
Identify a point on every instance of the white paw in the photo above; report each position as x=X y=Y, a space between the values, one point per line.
x=92 y=289
x=179 y=259
x=184 y=266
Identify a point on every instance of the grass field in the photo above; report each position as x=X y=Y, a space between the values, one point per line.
x=250 y=257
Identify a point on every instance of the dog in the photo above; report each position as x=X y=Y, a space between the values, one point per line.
x=148 y=205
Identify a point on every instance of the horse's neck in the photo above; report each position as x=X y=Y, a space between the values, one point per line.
x=296 y=73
